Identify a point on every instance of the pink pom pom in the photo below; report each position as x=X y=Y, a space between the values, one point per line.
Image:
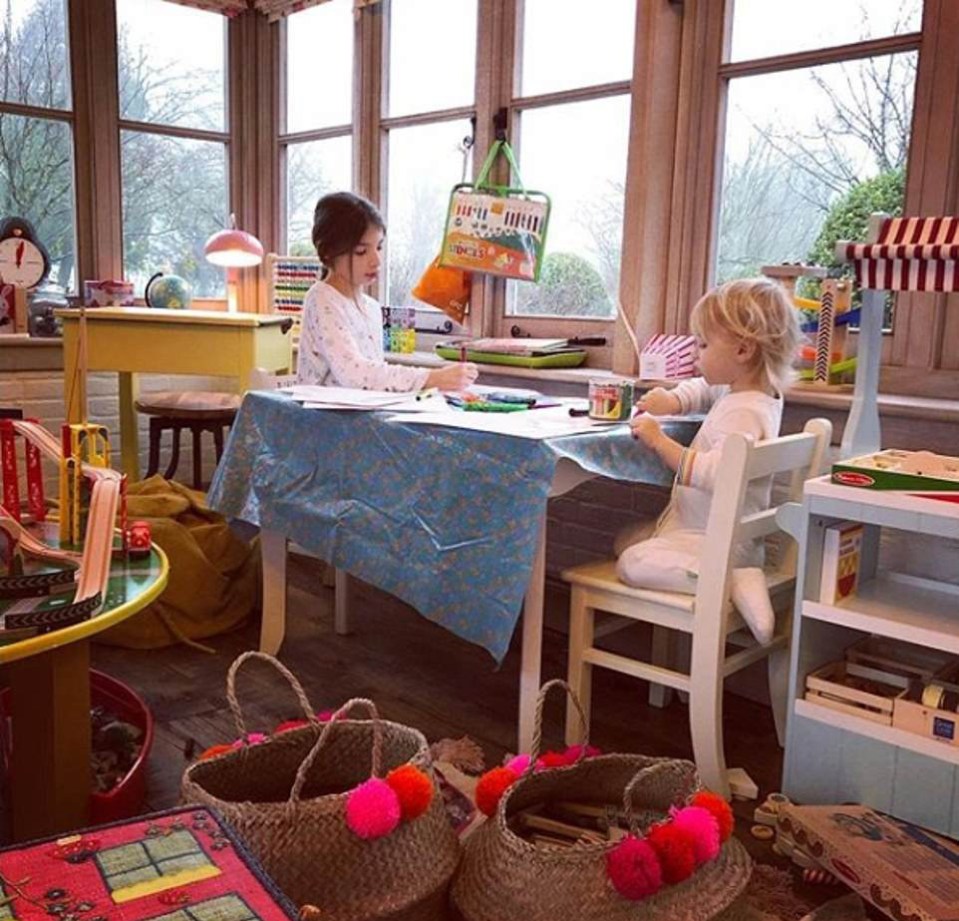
x=518 y=764
x=702 y=829
x=372 y=809
x=252 y=738
x=324 y=716
x=571 y=755
x=633 y=869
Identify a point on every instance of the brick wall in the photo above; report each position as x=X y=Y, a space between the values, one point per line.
x=40 y=395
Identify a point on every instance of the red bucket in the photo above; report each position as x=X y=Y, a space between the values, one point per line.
x=126 y=798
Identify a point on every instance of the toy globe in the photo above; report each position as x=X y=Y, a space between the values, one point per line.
x=168 y=291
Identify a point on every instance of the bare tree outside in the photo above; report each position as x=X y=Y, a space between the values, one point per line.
x=174 y=188
x=802 y=144
x=36 y=154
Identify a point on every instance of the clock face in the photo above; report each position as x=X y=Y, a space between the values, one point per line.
x=21 y=262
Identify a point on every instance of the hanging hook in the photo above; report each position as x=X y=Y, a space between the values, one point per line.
x=500 y=121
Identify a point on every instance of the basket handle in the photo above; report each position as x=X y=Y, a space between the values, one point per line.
x=643 y=774
x=537 y=744
x=377 y=759
x=282 y=669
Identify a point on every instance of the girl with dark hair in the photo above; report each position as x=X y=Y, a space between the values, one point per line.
x=341 y=343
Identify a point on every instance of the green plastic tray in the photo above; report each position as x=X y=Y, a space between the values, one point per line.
x=569 y=359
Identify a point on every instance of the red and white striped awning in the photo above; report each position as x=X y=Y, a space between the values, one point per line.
x=911 y=254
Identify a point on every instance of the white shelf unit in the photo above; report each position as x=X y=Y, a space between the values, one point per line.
x=834 y=757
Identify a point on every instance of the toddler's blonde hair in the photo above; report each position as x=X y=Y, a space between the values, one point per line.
x=757 y=310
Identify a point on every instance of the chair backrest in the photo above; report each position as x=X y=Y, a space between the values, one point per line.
x=742 y=462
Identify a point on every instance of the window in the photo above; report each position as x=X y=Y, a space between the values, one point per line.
x=572 y=105
x=36 y=131
x=811 y=151
x=316 y=136
x=171 y=63
x=430 y=102
x=761 y=29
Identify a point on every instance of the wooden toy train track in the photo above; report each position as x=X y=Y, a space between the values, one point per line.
x=86 y=572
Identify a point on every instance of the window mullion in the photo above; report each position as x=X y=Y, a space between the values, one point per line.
x=644 y=273
x=92 y=27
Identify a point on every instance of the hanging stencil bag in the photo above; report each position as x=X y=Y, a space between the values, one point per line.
x=500 y=230
x=677 y=863
x=343 y=815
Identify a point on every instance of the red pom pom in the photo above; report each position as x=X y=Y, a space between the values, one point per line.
x=702 y=830
x=721 y=810
x=413 y=789
x=287 y=725
x=372 y=809
x=215 y=750
x=552 y=760
x=674 y=850
x=491 y=787
x=633 y=869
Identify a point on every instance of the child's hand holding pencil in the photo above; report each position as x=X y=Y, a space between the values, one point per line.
x=453 y=377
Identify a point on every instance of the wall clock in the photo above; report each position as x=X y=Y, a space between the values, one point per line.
x=24 y=261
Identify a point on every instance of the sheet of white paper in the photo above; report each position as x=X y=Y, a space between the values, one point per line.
x=534 y=423
x=433 y=405
x=348 y=397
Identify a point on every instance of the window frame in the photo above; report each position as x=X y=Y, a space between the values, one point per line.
x=286 y=139
x=670 y=212
x=374 y=163
x=68 y=117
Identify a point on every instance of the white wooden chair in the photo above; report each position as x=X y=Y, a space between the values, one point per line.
x=708 y=617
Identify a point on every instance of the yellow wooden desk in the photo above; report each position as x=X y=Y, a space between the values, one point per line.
x=49 y=688
x=141 y=340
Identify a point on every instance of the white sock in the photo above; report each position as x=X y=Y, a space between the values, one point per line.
x=751 y=597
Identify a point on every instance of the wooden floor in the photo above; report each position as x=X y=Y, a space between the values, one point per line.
x=418 y=674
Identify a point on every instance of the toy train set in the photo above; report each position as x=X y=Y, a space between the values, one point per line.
x=49 y=586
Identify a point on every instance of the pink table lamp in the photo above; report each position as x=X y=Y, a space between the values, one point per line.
x=233 y=249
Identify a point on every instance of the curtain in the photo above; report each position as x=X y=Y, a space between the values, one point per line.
x=274 y=9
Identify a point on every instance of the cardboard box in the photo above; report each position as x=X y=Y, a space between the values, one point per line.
x=902 y=869
x=841 y=558
x=917 y=473
x=856 y=689
x=909 y=713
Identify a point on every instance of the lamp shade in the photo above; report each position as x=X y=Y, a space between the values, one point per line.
x=233 y=248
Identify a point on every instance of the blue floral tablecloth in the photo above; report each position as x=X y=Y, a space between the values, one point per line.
x=446 y=519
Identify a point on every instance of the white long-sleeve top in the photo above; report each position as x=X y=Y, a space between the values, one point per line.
x=752 y=413
x=341 y=344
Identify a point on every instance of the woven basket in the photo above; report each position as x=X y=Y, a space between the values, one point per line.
x=504 y=877
x=286 y=799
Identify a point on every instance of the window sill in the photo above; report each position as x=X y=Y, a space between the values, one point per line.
x=21 y=353
x=906 y=407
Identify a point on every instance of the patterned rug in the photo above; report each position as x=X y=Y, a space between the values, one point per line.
x=771 y=896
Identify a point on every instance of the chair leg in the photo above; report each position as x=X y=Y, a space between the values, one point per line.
x=663 y=653
x=582 y=620
x=777 y=665
x=197 y=432
x=174 y=452
x=156 y=433
x=706 y=716
x=218 y=441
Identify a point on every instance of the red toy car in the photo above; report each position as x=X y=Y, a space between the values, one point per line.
x=139 y=539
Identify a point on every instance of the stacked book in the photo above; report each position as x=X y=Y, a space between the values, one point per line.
x=528 y=352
